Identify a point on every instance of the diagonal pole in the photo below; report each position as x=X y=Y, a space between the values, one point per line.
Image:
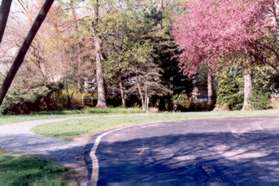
x=24 y=48
x=4 y=14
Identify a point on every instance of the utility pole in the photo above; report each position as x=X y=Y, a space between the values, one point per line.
x=24 y=48
x=4 y=14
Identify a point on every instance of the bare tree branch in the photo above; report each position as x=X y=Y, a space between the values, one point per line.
x=24 y=48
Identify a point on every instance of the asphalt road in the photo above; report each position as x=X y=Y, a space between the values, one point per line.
x=233 y=151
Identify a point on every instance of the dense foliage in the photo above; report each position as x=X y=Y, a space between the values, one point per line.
x=230 y=88
x=170 y=55
x=37 y=99
x=215 y=28
x=212 y=30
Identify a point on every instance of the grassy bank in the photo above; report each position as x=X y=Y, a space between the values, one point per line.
x=21 y=118
x=15 y=170
x=7 y=119
x=95 y=123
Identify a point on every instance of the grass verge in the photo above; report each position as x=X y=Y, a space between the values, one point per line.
x=7 y=119
x=102 y=122
x=16 y=170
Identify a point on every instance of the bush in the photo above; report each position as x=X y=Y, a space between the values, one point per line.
x=230 y=88
x=262 y=83
x=260 y=100
x=91 y=110
x=263 y=79
x=112 y=110
x=181 y=102
x=74 y=99
x=27 y=101
x=199 y=105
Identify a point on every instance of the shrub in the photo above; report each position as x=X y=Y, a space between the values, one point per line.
x=94 y=110
x=181 y=102
x=230 y=88
x=260 y=100
x=112 y=110
x=27 y=101
x=73 y=98
x=263 y=78
x=199 y=105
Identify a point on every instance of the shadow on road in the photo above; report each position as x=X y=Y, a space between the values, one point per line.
x=192 y=158
x=181 y=158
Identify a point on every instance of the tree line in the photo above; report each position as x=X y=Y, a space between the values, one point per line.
x=108 y=49
x=159 y=53
x=226 y=32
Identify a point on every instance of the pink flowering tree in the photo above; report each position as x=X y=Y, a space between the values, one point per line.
x=211 y=29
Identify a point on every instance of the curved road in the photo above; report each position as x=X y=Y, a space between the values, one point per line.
x=221 y=150
x=225 y=150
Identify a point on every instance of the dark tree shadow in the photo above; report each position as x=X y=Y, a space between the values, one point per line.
x=192 y=158
x=42 y=151
x=174 y=159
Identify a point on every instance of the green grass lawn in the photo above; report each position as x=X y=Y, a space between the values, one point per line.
x=16 y=170
x=7 y=119
x=21 y=118
x=92 y=124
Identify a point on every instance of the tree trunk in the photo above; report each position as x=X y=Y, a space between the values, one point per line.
x=101 y=103
x=77 y=52
x=122 y=94
x=4 y=14
x=99 y=75
x=147 y=104
x=247 y=90
x=146 y=98
x=24 y=48
x=162 y=9
x=209 y=88
x=141 y=96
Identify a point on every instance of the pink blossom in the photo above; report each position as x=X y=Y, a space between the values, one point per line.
x=212 y=28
